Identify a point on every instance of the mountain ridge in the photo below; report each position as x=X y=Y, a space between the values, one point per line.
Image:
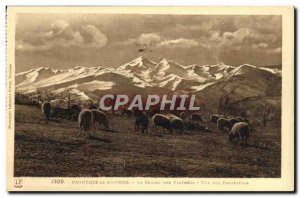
x=141 y=74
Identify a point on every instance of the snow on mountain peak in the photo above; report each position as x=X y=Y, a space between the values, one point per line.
x=138 y=73
x=140 y=62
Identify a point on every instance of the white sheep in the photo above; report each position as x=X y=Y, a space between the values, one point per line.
x=100 y=117
x=239 y=130
x=85 y=120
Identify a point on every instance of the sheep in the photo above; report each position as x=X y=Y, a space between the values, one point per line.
x=100 y=117
x=46 y=109
x=163 y=121
x=196 y=117
x=85 y=120
x=214 y=118
x=141 y=119
x=224 y=124
x=176 y=122
x=241 y=131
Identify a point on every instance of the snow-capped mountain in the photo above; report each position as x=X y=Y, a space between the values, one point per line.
x=140 y=75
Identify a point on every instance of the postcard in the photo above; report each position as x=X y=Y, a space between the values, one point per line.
x=150 y=99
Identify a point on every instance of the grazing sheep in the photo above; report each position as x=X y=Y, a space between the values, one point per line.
x=196 y=117
x=240 y=130
x=46 y=109
x=224 y=124
x=85 y=120
x=100 y=117
x=176 y=122
x=214 y=118
x=163 y=121
x=141 y=119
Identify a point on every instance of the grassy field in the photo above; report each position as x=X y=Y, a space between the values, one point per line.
x=54 y=149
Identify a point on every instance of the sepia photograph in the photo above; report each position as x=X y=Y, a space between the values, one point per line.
x=144 y=96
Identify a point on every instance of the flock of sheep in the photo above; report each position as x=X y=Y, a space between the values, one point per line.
x=234 y=127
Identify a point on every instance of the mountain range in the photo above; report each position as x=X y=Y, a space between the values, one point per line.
x=143 y=76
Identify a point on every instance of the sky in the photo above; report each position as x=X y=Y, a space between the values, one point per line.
x=110 y=40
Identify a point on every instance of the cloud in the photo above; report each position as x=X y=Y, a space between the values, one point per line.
x=238 y=39
x=59 y=26
x=277 y=50
x=181 y=42
x=98 y=38
x=61 y=34
x=143 y=39
x=158 y=41
x=261 y=45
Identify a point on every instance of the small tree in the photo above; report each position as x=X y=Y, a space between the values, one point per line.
x=69 y=98
x=39 y=96
x=48 y=96
x=224 y=104
x=263 y=113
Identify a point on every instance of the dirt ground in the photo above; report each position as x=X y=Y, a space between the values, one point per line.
x=49 y=149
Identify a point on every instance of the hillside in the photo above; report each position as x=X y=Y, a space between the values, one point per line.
x=53 y=148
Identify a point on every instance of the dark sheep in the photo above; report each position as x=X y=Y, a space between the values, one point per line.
x=224 y=124
x=163 y=121
x=141 y=122
x=85 y=120
x=196 y=117
x=214 y=118
x=233 y=121
x=100 y=117
x=241 y=131
x=46 y=109
x=176 y=122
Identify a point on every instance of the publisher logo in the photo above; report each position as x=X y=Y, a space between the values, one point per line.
x=18 y=183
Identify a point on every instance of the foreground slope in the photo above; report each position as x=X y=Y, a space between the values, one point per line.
x=54 y=149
